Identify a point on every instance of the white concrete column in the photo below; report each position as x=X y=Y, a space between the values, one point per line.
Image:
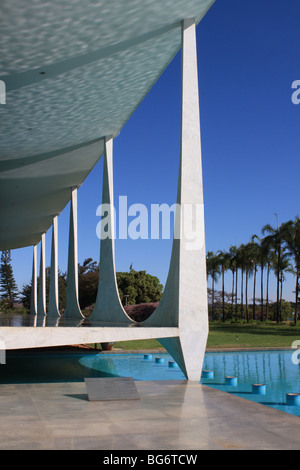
x=184 y=301
x=108 y=307
x=41 y=307
x=53 y=310
x=192 y=253
x=33 y=300
x=72 y=300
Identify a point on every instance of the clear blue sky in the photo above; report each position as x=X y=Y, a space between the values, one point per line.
x=249 y=55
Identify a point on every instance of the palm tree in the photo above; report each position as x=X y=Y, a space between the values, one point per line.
x=250 y=262
x=224 y=262
x=292 y=239
x=242 y=259
x=213 y=270
x=255 y=254
x=267 y=248
x=248 y=271
x=283 y=266
x=262 y=255
x=234 y=270
x=275 y=240
x=269 y=264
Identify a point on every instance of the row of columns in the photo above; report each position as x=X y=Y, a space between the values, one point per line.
x=38 y=290
x=184 y=301
x=108 y=307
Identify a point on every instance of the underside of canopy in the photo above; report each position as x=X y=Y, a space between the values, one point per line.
x=74 y=73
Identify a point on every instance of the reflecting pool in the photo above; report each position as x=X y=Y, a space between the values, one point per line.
x=277 y=370
x=274 y=369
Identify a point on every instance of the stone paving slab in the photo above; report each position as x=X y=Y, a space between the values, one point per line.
x=170 y=415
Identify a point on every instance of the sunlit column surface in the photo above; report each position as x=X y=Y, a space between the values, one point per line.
x=33 y=299
x=53 y=287
x=184 y=301
x=72 y=301
x=108 y=307
x=41 y=307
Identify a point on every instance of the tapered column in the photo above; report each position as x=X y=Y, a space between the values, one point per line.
x=53 y=310
x=41 y=307
x=184 y=301
x=72 y=299
x=108 y=307
x=33 y=299
x=193 y=283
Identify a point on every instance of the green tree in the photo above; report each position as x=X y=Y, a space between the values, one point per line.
x=88 y=280
x=264 y=256
x=292 y=239
x=250 y=263
x=213 y=270
x=242 y=260
x=256 y=260
x=233 y=269
x=8 y=286
x=275 y=240
x=224 y=263
x=139 y=286
x=25 y=294
x=267 y=247
x=283 y=266
x=136 y=287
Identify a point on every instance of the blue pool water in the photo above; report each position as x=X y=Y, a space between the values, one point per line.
x=275 y=369
x=66 y=367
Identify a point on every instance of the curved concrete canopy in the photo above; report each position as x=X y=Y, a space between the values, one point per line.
x=75 y=71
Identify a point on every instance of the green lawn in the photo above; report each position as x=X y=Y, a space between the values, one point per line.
x=235 y=335
x=138 y=344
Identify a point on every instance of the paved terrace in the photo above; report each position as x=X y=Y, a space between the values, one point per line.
x=170 y=415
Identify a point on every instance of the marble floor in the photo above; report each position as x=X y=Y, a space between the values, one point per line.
x=169 y=415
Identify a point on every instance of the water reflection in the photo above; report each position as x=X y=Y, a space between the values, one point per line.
x=273 y=368
x=19 y=320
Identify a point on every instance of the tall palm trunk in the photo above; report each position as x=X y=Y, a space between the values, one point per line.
x=212 y=296
x=267 y=292
x=254 y=293
x=232 y=293
x=236 y=292
x=282 y=279
x=262 y=291
x=278 y=284
x=246 y=295
x=242 y=294
x=275 y=240
x=280 y=297
x=223 y=296
x=296 y=299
